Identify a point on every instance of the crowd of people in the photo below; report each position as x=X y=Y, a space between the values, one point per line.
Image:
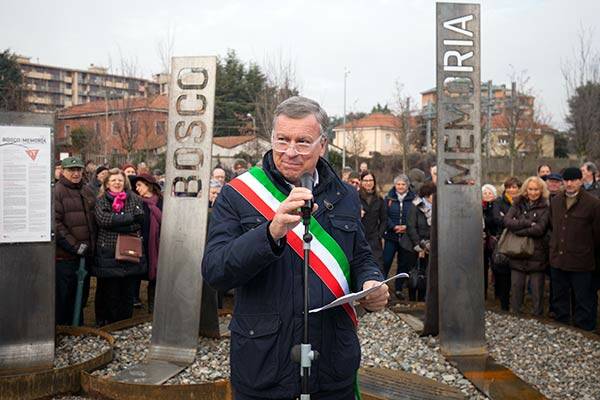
x=559 y=212
x=97 y=208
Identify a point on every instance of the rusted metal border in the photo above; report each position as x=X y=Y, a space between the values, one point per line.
x=57 y=380
x=108 y=389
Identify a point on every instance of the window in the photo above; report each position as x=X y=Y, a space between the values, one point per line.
x=67 y=131
x=161 y=127
x=388 y=138
x=503 y=141
x=115 y=128
x=97 y=128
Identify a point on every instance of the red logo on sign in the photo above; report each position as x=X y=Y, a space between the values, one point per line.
x=32 y=153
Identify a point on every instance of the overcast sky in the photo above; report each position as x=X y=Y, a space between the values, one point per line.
x=379 y=41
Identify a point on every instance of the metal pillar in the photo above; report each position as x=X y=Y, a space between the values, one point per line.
x=183 y=232
x=460 y=247
x=27 y=264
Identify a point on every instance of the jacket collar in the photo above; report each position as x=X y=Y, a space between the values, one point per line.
x=70 y=184
x=410 y=195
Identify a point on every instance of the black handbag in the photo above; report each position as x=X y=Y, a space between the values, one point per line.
x=417 y=276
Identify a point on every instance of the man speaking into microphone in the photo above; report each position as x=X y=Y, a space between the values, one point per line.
x=255 y=246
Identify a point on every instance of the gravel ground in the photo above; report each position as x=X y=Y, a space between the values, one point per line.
x=561 y=363
x=71 y=350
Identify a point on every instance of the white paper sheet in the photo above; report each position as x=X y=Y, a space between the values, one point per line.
x=25 y=192
x=350 y=297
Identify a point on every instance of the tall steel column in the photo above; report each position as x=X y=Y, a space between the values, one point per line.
x=183 y=231
x=460 y=247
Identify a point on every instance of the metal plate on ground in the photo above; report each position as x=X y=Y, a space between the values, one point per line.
x=494 y=380
x=387 y=384
x=152 y=372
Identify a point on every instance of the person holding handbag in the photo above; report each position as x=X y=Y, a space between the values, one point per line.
x=119 y=257
x=419 y=232
x=528 y=219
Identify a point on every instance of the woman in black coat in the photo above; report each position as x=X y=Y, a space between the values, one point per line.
x=118 y=211
x=529 y=217
x=512 y=185
x=419 y=232
x=374 y=216
x=490 y=230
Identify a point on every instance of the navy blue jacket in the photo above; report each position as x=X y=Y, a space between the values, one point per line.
x=397 y=214
x=267 y=318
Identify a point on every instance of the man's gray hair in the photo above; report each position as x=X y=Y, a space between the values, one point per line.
x=590 y=166
x=299 y=107
x=402 y=178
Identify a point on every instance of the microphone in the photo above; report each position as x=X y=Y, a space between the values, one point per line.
x=307 y=181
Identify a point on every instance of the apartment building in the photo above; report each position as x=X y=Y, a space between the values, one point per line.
x=50 y=88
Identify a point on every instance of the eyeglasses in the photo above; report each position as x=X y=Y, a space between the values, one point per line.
x=368 y=180
x=302 y=148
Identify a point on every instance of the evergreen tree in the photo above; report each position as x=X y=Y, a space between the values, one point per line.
x=11 y=83
x=381 y=109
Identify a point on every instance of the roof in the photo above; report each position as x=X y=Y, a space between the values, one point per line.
x=157 y=103
x=378 y=120
x=375 y=120
x=229 y=142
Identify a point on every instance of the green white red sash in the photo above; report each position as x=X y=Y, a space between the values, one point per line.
x=327 y=259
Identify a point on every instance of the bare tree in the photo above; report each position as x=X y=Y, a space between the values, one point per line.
x=281 y=84
x=581 y=73
x=165 y=48
x=356 y=142
x=517 y=118
x=402 y=133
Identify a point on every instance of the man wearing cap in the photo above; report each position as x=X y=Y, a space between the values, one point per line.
x=75 y=234
x=555 y=184
x=574 y=243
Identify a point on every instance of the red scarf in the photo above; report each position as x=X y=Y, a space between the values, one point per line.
x=118 y=200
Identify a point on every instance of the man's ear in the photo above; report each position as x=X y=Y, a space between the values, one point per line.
x=323 y=146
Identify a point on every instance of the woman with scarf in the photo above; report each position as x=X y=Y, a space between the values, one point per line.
x=491 y=230
x=529 y=217
x=373 y=214
x=501 y=272
x=398 y=203
x=118 y=211
x=419 y=231
x=148 y=189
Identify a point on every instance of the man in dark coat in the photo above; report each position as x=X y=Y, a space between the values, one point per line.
x=75 y=235
x=255 y=251
x=574 y=243
x=589 y=172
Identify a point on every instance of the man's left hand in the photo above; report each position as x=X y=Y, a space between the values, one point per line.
x=377 y=299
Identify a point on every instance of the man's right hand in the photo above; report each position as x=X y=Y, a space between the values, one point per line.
x=288 y=213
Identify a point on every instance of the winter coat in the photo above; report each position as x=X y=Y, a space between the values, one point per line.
x=110 y=225
x=594 y=189
x=397 y=214
x=419 y=225
x=502 y=205
x=268 y=313
x=530 y=220
x=491 y=212
x=74 y=218
x=375 y=218
x=575 y=238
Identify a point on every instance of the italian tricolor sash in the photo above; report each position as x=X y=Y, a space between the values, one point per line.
x=327 y=259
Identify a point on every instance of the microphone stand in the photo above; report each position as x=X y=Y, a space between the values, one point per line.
x=303 y=352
